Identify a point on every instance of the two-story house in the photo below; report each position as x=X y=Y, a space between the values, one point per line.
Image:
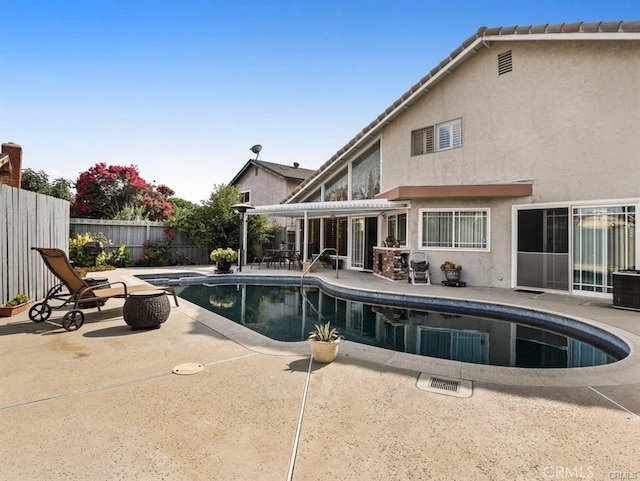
x=518 y=156
x=266 y=183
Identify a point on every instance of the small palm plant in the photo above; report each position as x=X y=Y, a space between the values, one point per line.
x=324 y=341
x=325 y=333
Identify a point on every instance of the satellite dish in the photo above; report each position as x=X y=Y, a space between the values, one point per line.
x=256 y=148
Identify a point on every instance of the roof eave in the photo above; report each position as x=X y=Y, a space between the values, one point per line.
x=366 y=136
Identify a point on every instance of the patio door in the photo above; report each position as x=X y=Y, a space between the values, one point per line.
x=364 y=236
x=603 y=242
x=543 y=248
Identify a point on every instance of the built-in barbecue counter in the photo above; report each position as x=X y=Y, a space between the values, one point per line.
x=391 y=263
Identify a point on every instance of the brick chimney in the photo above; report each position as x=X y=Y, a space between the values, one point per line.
x=11 y=173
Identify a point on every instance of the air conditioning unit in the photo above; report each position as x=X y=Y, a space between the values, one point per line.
x=626 y=289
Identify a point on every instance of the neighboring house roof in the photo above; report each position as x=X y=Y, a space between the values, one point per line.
x=564 y=31
x=293 y=172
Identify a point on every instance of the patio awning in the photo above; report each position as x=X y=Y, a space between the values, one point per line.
x=322 y=209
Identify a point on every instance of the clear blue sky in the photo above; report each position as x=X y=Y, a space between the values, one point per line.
x=183 y=88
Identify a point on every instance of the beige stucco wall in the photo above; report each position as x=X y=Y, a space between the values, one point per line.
x=566 y=118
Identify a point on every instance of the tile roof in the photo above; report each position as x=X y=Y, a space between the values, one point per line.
x=289 y=171
x=535 y=32
x=285 y=171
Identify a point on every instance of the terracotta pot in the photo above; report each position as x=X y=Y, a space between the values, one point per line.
x=324 y=352
x=8 y=311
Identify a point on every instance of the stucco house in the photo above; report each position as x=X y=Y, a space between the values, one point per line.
x=266 y=183
x=518 y=156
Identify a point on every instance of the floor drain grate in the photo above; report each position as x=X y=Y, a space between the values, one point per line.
x=443 y=385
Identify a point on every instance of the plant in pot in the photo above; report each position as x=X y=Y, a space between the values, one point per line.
x=223 y=258
x=325 y=259
x=451 y=271
x=325 y=341
x=389 y=241
x=18 y=304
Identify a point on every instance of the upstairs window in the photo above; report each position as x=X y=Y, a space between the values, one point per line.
x=435 y=138
x=245 y=197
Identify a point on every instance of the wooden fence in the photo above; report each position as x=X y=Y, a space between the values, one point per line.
x=133 y=235
x=29 y=220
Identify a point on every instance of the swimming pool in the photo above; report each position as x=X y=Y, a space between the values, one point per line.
x=466 y=331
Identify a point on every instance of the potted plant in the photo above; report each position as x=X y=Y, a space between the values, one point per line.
x=223 y=258
x=325 y=259
x=389 y=241
x=18 y=304
x=451 y=271
x=324 y=341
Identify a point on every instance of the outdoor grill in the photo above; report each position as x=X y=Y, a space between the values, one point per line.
x=93 y=249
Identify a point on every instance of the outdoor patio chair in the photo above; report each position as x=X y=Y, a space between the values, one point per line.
x=293 y=259
x=73 y=289
x=261 y=255
x=419 y=268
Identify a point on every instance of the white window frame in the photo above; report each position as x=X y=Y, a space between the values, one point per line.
x=453 y=129
x=246 y=196
x=450 y=128
x=487 y=241
x=395 y=234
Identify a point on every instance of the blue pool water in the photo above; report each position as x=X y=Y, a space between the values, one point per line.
x=285 y=313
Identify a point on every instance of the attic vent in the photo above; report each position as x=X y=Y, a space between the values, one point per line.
x=505 y=65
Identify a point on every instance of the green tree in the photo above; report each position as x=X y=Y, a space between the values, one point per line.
x=39 y=182
x=215 y=223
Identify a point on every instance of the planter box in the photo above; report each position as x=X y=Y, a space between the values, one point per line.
x=306 y=265
x=8 y=311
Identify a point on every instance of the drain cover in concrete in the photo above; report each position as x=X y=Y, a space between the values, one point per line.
x=188 y=368
x=444 y=385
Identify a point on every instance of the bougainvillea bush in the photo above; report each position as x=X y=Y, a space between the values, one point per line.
x=104 y=192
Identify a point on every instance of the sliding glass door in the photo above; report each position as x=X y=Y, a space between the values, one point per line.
x=603 y=242
x=575 y=248
x=543 y=248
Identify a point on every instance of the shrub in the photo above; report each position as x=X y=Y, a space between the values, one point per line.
x=221 y=254
x=19 y=299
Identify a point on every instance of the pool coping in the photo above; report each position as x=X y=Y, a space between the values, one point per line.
x=625 y=371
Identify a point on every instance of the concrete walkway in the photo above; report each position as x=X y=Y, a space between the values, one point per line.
x=102 y=403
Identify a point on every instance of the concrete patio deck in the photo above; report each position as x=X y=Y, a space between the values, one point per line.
x=102 y=403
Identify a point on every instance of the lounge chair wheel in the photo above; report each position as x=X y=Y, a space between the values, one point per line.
x=40 y=312
x=73 y=320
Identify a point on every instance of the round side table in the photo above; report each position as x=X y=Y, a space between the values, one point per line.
x=146 y=309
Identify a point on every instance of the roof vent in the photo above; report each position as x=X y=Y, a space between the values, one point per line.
x=505 y=64
x=296 y=165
